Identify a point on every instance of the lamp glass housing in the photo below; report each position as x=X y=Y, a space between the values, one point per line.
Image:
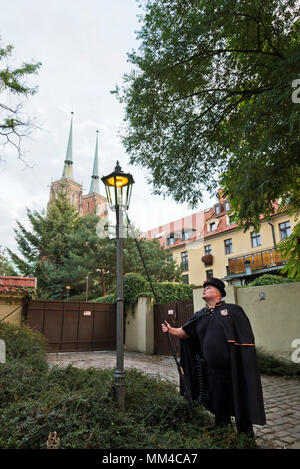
x=118 y=187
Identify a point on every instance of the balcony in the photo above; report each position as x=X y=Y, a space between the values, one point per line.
x=258 y=260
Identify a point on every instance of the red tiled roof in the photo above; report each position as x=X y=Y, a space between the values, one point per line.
x=199 y=222
x=16 y=282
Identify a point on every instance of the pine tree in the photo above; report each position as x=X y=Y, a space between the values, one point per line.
x=63 y=249
x=46 y=241
x=95 y=257
x=6 y=268
x=86 y=255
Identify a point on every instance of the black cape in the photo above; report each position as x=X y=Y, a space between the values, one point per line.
x=246 y=384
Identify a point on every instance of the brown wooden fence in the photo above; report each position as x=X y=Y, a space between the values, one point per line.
x=175 y=314
x=74 y=325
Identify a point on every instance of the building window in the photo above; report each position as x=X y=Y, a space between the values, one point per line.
x=207 y=249
x=227 y=206
x=228 y=246
x=255 y=239
x=186 y=234
x=170 y=239
x=209 y=274
x=185 y=260
x=217 y=209
x=212 y=226
x=185 y=278
x=284 y=229
x=170 y=258
x=229 y=220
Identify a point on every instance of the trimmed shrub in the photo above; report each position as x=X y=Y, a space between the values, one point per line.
x=24 y=345
x=276 y=366
x=168 y=292
x=136 y=285
x=268 y=279
x=111 y=298
x=79 y=406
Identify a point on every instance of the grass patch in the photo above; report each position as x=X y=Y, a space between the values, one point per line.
x=79 y=406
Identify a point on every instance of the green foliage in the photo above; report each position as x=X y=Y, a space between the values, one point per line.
x=44 y=246
x=24 y=345
x=290 y=248
x=276 y=366
x=62 y=248
x=13 y=125
x=209 y=99
x=79 y=406
x=268 y=279
x=168 y=292
x=157 y=259
x=111 y=298
x=135 y=285
x=6 y=267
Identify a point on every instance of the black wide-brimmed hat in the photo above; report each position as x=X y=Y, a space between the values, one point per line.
x=217 y=283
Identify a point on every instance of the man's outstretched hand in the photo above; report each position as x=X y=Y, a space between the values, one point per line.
x=166 y=327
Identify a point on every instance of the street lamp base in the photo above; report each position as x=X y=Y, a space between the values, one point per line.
x=119 y=388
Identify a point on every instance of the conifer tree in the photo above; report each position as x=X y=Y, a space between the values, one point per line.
x=46 y=241
x=6 y=267
x=95 y=257
x=63 y=249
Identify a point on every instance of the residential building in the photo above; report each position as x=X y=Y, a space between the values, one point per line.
x=207 y=244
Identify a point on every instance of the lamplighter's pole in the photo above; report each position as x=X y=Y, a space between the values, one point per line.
x=119 y=371
x=86 y=287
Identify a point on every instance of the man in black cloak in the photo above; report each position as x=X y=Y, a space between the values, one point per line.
x=219 y=360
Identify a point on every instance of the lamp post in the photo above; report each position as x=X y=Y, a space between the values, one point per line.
x=118 y=186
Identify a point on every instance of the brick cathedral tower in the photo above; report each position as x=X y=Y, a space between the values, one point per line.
x=93 y=202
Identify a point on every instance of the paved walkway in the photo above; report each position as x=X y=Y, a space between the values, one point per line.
x=281 y=396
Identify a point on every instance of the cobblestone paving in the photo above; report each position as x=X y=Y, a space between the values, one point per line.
x=281 y=396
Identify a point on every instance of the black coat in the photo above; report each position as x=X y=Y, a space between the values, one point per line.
x=246 y=386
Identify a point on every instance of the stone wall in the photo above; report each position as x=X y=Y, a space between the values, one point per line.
x=139 y=326
x=8 y=304
x=273 y=311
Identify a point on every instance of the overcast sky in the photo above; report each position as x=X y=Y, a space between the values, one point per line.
x=82 y=45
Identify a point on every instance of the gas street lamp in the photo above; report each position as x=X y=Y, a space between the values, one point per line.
x=118 y=186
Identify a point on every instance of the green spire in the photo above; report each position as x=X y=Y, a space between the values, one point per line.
x=94 y=187
x=68 y=167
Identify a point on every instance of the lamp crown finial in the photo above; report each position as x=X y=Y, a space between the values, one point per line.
x=118 y=167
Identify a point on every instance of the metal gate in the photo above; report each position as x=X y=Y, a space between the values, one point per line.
x=175 y=314
x=74 y=325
